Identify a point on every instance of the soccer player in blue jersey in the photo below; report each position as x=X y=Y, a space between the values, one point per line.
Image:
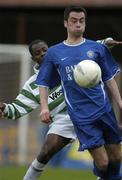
x=90 y=109
x=61 y=130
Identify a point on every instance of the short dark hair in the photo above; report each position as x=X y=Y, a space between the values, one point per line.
x=37 y=41
x=77 y=8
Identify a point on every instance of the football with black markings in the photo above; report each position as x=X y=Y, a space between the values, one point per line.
x=87 y=73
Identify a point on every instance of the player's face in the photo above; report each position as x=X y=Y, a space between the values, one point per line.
x=39 y=50
x=75 y=24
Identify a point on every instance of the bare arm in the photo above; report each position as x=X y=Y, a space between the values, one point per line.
x=114 y=90
x=110 y=43
x=45 y=113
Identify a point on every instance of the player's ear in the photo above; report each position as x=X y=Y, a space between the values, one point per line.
x=65 y=23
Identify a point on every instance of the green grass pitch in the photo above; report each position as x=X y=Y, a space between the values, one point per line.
x=17 y=173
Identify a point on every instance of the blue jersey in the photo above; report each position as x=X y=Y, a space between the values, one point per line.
x=84 y=104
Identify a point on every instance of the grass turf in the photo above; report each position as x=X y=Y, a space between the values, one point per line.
x=17 y=173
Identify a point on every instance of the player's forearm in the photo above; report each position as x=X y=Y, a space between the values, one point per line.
x=12 y=111
x=114 y=90
x=43 y=97
x=45 y=113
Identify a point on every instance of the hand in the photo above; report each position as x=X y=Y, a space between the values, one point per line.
x=45 y=115
x=111 y=43
x=2 y=107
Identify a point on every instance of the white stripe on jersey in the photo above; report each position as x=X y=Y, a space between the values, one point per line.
x=28 y=102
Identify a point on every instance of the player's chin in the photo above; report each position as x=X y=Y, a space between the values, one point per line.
x=78 y=33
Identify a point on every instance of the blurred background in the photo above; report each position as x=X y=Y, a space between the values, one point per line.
x=22 y=21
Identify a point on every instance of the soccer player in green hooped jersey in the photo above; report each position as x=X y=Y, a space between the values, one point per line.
x=61 y=130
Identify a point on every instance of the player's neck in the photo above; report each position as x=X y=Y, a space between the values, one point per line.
x=73 y=41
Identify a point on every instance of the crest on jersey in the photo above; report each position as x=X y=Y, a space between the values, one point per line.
x=90 y=54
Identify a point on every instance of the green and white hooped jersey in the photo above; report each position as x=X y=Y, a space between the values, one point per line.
x=29 y=99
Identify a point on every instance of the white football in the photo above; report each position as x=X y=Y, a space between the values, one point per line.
x=87 y=73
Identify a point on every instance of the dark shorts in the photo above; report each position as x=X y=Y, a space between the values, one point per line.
x=102 y=131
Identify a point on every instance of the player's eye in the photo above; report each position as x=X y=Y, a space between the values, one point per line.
x=73 y=20
x=37 y=52
x=44 y=49
x=82 y=20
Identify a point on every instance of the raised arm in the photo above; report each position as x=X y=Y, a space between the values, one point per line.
x=110 y=42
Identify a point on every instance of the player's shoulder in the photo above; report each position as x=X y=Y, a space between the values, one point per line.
x=89 y=41
x=95 y=44
x=31 y=79
x=56 y=46
x=30 y=83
